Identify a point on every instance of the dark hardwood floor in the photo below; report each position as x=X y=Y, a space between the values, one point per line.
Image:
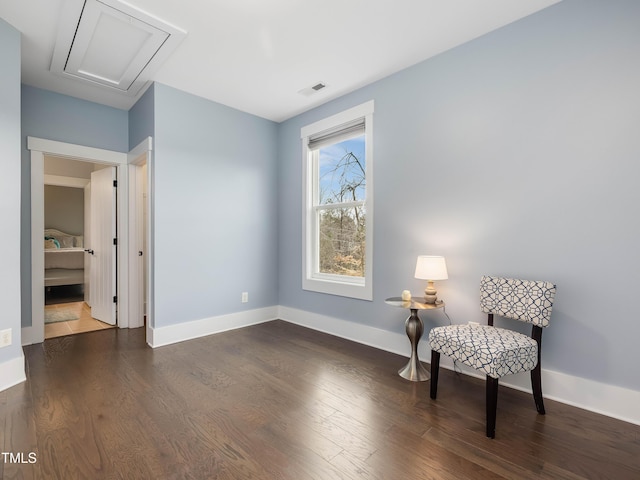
x=278 y=401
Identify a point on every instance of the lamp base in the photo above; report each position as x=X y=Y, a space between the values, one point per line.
x=430 y=293
x=430 y=298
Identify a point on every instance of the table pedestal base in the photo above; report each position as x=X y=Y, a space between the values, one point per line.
x=414 y=370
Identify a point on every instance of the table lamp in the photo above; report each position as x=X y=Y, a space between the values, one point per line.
x=430 y=268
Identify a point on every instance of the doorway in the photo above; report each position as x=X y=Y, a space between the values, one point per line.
x=78 y=230
x=124 y=294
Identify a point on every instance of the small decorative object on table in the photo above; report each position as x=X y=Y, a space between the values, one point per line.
x=406 y=295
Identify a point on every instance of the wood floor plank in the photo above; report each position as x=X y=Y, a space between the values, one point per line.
x=279 y=401
x=505 y=466
x=301 y=447
x=413 y=458
x=20 y=438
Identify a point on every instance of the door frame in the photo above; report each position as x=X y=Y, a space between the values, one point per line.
x=141 y=155
x=39 y=148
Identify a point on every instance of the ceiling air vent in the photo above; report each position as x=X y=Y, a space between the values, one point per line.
x=111 y=43
x=307 y=92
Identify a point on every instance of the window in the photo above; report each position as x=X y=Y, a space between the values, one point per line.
x=338 y=210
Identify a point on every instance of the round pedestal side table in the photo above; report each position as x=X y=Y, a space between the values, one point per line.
x=414 y=370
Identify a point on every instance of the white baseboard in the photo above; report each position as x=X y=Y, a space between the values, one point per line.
x=29 y=336
x=12 y=372
x=609 y=400
x=158 y=337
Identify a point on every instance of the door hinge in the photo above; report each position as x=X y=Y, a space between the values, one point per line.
x=115 y=241
x=115 y=299
x=115 y=183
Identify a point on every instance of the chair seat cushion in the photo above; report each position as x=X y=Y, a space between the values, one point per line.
x=495 y=351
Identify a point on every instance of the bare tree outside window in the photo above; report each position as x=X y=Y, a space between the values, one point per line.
x=342 y=216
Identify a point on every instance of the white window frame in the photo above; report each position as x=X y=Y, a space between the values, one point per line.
x=312 y=279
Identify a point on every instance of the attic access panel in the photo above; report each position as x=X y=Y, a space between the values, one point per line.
x=113 y=44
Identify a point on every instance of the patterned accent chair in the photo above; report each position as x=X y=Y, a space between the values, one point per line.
x=497 y=351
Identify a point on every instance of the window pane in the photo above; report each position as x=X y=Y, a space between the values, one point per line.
x=342 y=171
x=342 y=241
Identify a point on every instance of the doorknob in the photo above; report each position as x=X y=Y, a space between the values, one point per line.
x=140 y=253
x=89 y=251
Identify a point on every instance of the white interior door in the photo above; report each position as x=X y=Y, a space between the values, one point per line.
x=103 y=257
x=145 y=239
x=87 y=242
x=141 y=241
x=140 y=305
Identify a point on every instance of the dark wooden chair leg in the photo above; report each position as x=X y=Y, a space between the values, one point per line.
x=435 y=368
x=536 y=373
x=536 y=386
x=492 y=405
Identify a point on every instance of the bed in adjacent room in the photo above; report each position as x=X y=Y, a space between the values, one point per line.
x=63 y=258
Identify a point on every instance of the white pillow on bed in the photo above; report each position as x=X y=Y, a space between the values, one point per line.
x=65 y=241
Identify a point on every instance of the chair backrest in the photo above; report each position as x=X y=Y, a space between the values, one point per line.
x=525 y=300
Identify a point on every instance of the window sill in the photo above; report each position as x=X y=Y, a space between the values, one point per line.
x=360 y=291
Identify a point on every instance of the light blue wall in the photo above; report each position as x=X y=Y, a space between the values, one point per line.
x=59 y=117
x=54 y=116
x=516 y=154
x=10 y=187
x=215 y=218
x=141 y=119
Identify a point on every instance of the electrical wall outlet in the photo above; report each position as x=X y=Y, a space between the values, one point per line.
x=245 y=297
x=5 y=337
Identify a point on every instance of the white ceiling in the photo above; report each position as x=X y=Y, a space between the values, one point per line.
x=256 y=55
